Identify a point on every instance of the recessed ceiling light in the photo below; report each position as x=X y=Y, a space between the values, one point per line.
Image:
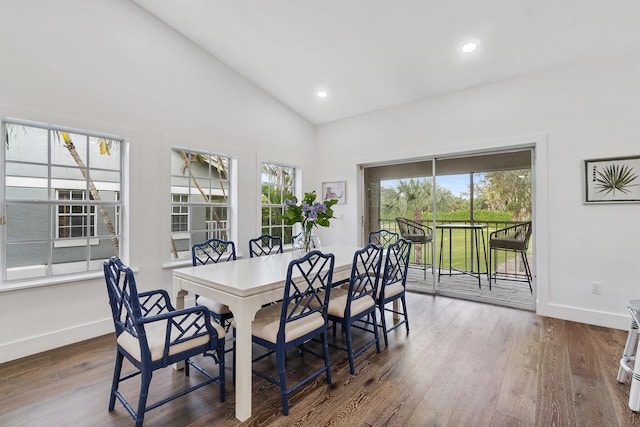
x=469 y=47
x=322 y=94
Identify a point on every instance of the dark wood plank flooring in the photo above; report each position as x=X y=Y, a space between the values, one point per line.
x=463 y=364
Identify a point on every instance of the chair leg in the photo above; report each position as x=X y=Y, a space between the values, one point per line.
x=280 y=358
x=145 y=380
x=634 y=391
x=221 y=367
x=116 y=380
x=629 y=349
x=527 y=270
x=404 y=308
x=347 y=327
x=327 y=363
x=424 y=259
x=490 y=266
x=375 y=330
x=384 y=324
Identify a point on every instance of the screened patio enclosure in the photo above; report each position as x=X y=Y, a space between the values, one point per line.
x=461 y=201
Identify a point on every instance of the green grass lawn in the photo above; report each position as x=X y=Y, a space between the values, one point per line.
x=461 y=251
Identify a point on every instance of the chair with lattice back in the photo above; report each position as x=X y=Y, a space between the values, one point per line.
x=265 y=245
x=393 y=286
x=214 y=251
x=383 y=237
x=151 y=334
x=300 y=317
x=351 y=306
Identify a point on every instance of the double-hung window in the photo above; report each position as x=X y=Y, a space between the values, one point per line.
x=200 y=203
x=278 y=184
x=74 y=220
x=61 y=200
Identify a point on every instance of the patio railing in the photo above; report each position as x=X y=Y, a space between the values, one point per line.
x=462 y=252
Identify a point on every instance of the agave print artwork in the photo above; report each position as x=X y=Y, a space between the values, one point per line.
x=613 y=180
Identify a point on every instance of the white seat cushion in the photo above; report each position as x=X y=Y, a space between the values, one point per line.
x=214 y=306
x=156 y=332
x=267 y=323
x=338 y=302
x=392 y=290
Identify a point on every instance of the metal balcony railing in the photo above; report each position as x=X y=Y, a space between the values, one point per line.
x=507 y=265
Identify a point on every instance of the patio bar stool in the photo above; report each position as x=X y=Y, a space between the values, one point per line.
x=631 y=349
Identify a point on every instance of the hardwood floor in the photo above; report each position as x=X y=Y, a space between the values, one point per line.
x=463 y=364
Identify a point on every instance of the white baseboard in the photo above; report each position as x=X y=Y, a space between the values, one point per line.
x=37 y=344
x=43 y=342
x=575 y=314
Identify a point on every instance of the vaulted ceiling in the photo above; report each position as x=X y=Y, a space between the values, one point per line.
x=374 y=54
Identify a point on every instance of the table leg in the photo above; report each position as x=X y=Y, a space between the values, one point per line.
x=178 y=303
x=243 y=315
x=484 y=249
x=475 y=236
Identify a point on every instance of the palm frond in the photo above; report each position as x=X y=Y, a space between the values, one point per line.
x=615 y=177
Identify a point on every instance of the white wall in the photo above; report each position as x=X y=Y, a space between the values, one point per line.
x=588 y=110
x=108 y=66
x=105 y=65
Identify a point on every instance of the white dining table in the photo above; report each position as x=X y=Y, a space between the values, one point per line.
x=245 y=285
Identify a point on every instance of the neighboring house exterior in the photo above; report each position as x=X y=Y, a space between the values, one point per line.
x=196 y=177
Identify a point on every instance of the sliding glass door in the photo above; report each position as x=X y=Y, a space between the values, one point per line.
x=460 y=201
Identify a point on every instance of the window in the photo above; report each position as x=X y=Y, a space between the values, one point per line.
x=180 y=213
x=278 y=184
x=199 y=199
x=75 y=220
x=61 y=200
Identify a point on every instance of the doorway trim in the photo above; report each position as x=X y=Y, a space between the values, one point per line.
x=538 y=144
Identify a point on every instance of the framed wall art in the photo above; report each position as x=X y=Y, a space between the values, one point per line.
x=612 y=180
x=334 y=190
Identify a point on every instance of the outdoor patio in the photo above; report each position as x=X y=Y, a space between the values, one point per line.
x=506 y=292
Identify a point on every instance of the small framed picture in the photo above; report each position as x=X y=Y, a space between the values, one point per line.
x=334 y=190
x=612 y=180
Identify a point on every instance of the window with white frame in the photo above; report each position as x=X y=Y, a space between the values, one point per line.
x=200 y=202
x=180 y=213
x=74 y=220
x=278 y=184
x=61 y=200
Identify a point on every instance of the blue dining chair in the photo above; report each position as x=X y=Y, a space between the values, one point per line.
x=214 y=251
x=383 y=237
x=358 y=301
x=301 y=316
x=151 y=334
x=394 y=280
x=265 y=245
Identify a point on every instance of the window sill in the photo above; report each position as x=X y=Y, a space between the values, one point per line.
x=51 y=280
x=177 y=263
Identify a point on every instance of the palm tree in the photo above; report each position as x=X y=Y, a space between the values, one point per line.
x=412 y=197
x=105 y=146
x=222 y=169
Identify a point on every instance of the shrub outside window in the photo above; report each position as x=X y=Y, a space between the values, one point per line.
x=278 y=184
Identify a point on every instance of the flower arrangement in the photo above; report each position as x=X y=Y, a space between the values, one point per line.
x=309 y=214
